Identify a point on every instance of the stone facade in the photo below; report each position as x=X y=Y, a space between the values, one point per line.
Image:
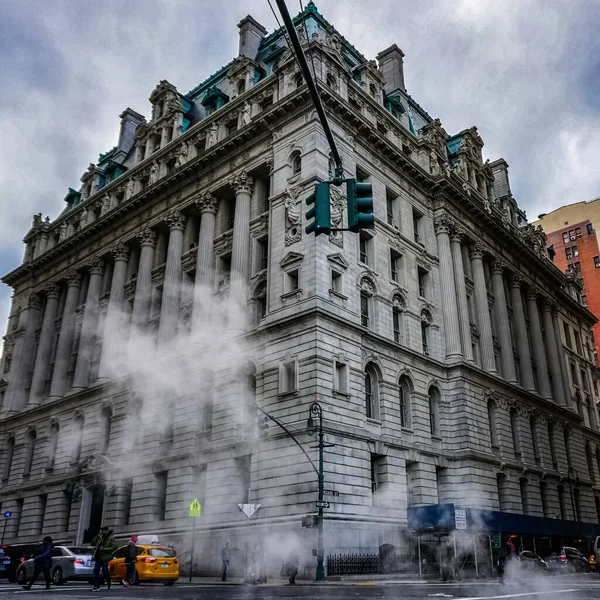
x=178 y=289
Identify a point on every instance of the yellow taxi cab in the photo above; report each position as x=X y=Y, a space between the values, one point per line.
x=155 y=563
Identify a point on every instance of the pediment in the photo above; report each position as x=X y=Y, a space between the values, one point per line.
x=339 y=260
x=291 y=258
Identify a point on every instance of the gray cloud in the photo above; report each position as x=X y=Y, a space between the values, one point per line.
x=527 y=73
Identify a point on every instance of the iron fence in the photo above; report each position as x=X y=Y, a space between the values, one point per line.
x=353 y=564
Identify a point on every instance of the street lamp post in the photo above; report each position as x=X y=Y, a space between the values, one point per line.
x=316 y=411
x=573 y=471
x=7 y=516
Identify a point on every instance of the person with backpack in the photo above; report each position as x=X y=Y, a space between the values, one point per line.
x=104 y=547
x=42 y=563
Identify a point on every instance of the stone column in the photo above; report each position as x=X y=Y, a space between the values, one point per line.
x=205 y=258
x=461 y=294
x=520 y=329
x=537 y=343
x=42 y=244
x=486 y=343
x=449 y=303
x=113 y=338
x=506 y=351
x=169 y=312
x=44 y=349
x=143 y=283
x=240 y=252
x=65 y=338
x=558 y=390
x=89 y=326
x=561 y=358
x=148 y=147
x=23 y=355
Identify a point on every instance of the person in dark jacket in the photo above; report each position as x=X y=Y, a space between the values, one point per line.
x=130 y=560
x=104 y=547
x=292 y=563
x=42 y=563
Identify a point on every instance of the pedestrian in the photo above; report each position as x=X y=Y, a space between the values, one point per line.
x=130 y=560
x=225 y=557
x=261 y=569
x=292 y=566
x=42 y=563
x=104 y=547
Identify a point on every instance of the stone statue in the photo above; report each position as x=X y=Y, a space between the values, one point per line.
x=213 y=135
x=153 y=173
x=129 y=188
x=182 y=153
x=246 y=114
x=37 y=220
x=293 y=218
x=434 y=165
x=63 y=232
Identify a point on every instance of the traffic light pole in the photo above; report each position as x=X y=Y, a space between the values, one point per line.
x=312 y=88
x=315 y=409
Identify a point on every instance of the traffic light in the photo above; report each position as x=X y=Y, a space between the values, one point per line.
x=320 y=210
x=360 y=205
x=263 y=426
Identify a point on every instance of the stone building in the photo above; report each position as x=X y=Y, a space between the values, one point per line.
x=434 y=343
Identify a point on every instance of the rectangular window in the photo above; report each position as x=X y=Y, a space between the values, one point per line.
x=417 y=220
x=575 y=251
x=364 y=310
x=574 y=375
x=224 y=270
x=363 y=251
x=292 y=281
x=341 y=377
x=424 y=336
x=42 y=503
x=590 y=229
x=127 y=492
x=578 y=232
x=577 y=267
x=572 y=234
x=366 y=249
x=584 y=381
x=161 y=495
x=393 y=218
x=377 y=468
x=395 y=258
x=597 y=262
x=262 y=255
x=390 y=210
x=397 y=318
x=568 y=336
x=584 y=300
x=287 y=377
x=578 y=342
x=565 y=237
x=336 y=281
x=568 y=253
x=422 y=279
x=17 y=518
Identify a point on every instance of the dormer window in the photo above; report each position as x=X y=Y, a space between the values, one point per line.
x=373 y=90
x=241 y=87
x=214 y=99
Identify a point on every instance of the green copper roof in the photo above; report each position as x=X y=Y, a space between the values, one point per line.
x=103 y=157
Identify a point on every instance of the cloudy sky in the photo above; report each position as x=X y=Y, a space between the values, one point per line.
x=526 y=73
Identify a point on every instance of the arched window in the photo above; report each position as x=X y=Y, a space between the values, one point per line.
x=9 y=452
x=298 y=80
x=296 y=163
x=404 y=399
x=371 y=393
x=492 y=424
x=77 y=438
x=534 y=440
x=590 y=461
x=52 y=445
x=105 y=427
x=434 y=411
x=514 y=427
x=551 y=443
x=30 y=451
x=330 y=80
x=372 y=90
x=241 y=87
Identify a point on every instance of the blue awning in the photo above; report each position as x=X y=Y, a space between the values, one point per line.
x=445 y=517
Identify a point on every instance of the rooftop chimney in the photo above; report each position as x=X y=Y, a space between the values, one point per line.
x=129 y=123
x=501 y=182
x=251 y=33
x=391 y=65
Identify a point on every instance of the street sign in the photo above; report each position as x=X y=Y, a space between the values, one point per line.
x=460 y=518
x=330 y=493
x=322 y=504
x=195 y=508
x=496 y=540
x=249 y=509
x=7 y=514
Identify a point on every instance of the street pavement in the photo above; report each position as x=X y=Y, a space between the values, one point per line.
x=571 y=587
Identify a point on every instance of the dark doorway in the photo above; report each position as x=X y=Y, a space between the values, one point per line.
x=96 y=511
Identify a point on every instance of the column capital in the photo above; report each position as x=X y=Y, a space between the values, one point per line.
x=120 y=252
x=498 y=267
x=533 y=293
x=549 y=304
x=34 y=301
x=442 y=224
x=146 y=237
x=457 y=233
x=52 y=290
x=477 y=250
x=73 y=279
x=206 y=202
x=516 y=280
x=242 y=183
x=95 y=266
x=175 y=221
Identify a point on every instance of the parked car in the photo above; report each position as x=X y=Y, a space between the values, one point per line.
x=14 y=555
x=531 y=561
x=68 y=563
x=569 y=559
x=154 y=563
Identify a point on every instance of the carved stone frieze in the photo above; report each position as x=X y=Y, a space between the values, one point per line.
x=293 y=216
x=338 y=205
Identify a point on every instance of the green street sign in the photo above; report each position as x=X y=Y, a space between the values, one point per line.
x=195 y=508
x=496 y=540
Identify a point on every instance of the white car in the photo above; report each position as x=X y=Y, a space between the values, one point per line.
x=68 y=563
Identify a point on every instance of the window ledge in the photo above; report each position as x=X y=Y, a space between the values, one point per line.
x=341 y=394
x=290 y=394
x=406 y=430
x=437 y=438
x=294 y=294
x=337 y=294
x=371 y=421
